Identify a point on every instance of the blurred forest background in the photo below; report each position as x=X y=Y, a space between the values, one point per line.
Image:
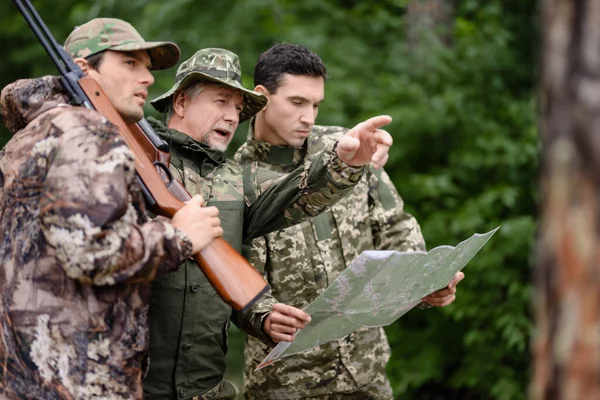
x=459 y=79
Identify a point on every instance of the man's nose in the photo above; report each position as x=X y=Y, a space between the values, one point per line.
x=147 y=78
x=232 y=115
x=308 y=117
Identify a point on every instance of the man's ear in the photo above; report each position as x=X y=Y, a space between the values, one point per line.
x=83 y=64
x=262 y=90
x=179 y=103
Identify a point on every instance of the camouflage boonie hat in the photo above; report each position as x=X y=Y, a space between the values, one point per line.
x=213 y=65
x=114 y=34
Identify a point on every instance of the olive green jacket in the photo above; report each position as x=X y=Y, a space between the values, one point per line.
x=188 y=320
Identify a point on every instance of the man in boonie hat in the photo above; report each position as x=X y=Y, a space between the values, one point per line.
x=218 y=73
x=112 y=52
x=188 y=321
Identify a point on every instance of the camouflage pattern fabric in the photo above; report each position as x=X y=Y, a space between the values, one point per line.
x=102 y=34
x=188 y=320
x=218 y=66
x=301 y=261
x=223 y=391
x=76 y=255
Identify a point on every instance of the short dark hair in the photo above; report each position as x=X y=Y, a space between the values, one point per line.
x=95 y=60
x=285 y=58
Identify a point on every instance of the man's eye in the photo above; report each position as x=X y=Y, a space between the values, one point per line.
x=130 y=62
x=297 y=102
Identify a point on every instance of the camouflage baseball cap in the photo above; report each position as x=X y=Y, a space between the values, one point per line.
x=213 y=65
x=114 y=34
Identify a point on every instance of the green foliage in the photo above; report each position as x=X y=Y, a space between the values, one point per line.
x=467 y=162
x=464 y=159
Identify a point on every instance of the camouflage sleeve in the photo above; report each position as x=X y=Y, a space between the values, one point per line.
x=277 y=201
x=392 y=227
x=88 y=215
x=252 y=321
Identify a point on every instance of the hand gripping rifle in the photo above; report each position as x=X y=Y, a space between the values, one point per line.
x=236 y=281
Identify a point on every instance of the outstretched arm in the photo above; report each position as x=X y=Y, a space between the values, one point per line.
x=276 y=202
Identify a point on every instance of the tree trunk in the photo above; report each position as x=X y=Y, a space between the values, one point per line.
x=429 y=16
x=567 y=341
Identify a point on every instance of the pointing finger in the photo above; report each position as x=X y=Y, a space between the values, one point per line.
x=376 y=122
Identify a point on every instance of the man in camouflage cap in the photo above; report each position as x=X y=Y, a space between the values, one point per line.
x=188 y=321
x=77 y=253
x=102 y=44
x=301 y=261
x=101 y=34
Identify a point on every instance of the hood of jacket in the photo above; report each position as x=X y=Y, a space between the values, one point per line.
x=24 y=100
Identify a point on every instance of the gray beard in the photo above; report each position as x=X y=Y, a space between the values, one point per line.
x=213 y=146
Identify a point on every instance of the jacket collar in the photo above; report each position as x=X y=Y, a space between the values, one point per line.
x=275 y=155
x=180 y=143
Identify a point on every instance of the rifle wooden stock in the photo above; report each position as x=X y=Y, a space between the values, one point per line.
x=234 y=279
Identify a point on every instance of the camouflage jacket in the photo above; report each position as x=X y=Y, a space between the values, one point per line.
x=76 y=253
x=188 y=320
x=301 y=261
